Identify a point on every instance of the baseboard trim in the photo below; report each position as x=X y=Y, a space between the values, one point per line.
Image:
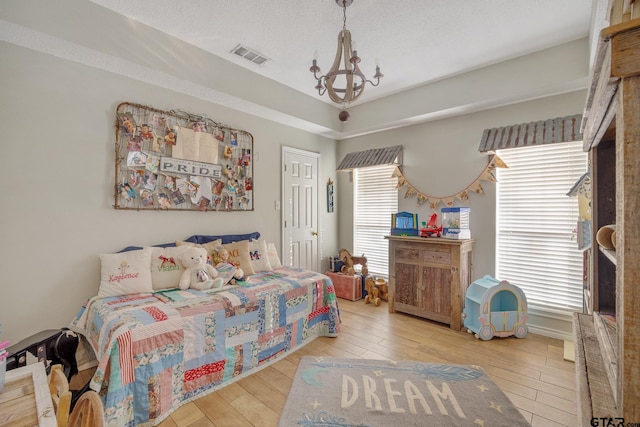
x=551 y=333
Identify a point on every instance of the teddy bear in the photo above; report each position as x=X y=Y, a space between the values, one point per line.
x=197 y=273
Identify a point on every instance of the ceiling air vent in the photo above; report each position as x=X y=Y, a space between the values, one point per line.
x=249 y=54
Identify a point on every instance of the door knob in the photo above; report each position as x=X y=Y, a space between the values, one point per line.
x=314 y=233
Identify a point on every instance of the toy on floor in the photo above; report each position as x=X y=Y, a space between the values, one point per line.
x=495 y=308
x=377 y=289
x=349 y=261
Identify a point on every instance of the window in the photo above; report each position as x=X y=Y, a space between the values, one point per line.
x=375 y=199
x=535 y=244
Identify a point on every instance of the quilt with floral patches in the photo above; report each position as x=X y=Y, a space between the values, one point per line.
x=159 y=351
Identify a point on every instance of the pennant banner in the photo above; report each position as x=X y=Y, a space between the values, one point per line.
x=476 y=188
x=487 y=175
x=463 y=195
x=410 y=192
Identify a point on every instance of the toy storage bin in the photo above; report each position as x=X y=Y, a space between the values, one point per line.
x=347 y=286
x=455 y=223
x=495 y=308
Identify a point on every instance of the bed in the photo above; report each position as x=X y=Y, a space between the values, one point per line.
x=159 y=350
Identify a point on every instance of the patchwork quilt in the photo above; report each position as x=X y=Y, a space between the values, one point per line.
x=159 y=351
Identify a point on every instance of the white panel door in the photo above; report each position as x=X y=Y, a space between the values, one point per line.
x=300 y=208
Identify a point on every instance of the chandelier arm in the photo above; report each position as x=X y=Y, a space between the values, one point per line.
x=321 y=86
x=356 y=71
x=359 y=89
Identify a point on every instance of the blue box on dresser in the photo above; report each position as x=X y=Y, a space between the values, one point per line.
x=404 y=224
x=455 y=223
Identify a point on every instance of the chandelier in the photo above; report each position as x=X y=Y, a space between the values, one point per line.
x=351 y=79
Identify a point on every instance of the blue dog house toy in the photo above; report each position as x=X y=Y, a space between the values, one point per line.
x=495 y=308
x=404 y=224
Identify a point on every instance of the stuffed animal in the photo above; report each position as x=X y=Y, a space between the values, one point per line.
x=197 y=273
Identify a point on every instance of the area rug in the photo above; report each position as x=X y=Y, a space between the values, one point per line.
x=381 y=393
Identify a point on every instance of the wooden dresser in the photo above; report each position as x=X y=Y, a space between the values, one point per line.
x=429 y=277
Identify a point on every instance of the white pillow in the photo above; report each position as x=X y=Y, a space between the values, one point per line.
x=274 y=259
x=166 y=268
x=259 y=256
x=125 y=273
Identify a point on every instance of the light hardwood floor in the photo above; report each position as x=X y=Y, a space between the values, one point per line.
x=531 y=371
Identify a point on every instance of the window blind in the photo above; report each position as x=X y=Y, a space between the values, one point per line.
x=535 y=222
x=375 y=199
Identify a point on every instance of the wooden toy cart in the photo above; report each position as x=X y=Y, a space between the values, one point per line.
x=377 y=289
x=495 y=308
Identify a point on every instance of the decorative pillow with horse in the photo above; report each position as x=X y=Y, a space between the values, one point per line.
x=166 y=268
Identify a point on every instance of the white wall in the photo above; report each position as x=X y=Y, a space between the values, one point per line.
x=57 y=165
x=57 y=171
x=57 y=177
x=441 y=158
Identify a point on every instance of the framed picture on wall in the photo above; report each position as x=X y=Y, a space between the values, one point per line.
x=173 y=160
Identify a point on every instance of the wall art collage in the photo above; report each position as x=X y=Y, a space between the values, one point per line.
x=174 y=160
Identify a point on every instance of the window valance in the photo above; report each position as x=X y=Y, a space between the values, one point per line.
x=372 y=157
x=561 y=129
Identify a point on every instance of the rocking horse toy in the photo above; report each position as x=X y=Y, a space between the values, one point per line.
x=349 y=261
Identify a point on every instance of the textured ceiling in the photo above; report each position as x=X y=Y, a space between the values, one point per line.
x=414 y=41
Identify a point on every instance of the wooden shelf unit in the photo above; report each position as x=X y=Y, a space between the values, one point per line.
x=429 y=277
x=608 y=355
